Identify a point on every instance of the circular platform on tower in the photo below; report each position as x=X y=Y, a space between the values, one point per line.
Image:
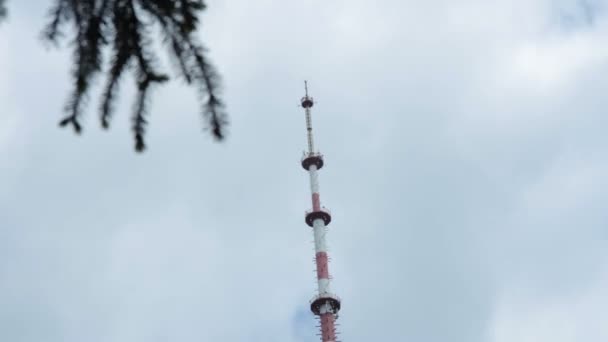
x=319 y=300
x=307 y=102
x=312 y=159
x=312 y=215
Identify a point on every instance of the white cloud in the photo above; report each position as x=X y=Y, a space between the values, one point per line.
x=554 y=62
x=525 y=316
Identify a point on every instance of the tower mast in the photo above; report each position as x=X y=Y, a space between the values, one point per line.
x=325 y=305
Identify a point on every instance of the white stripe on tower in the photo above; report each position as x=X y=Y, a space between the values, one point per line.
x=314 y=188
x=311 y=144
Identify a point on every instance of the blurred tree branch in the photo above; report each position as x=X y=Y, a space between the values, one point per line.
x=2 y=9
x=124 y=29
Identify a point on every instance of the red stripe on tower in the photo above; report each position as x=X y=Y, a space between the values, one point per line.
x=322 y=266
x=316 y=202
x=328 y=329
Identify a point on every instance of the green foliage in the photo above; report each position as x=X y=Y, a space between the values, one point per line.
x=124 y=27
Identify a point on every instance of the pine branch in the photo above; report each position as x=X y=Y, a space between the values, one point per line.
x=87 y=53
x=3 y=10
x=118 y=23
x=59 y=14
x=119 y=64
x=200 y=70
x=209 y=88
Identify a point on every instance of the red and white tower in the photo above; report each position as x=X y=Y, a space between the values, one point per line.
x=325 y=304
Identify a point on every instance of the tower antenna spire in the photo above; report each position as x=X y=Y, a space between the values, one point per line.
x=325 y=305
x=307 y=103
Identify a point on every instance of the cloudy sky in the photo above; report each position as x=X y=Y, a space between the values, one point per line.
x=466 y=166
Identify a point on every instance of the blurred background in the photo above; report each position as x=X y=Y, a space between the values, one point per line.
x=465 y=169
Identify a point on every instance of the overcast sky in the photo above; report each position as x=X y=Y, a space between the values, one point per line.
x=466 y=162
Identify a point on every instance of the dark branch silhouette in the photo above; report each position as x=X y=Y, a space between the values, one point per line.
x=2 y=10
x=124 y=28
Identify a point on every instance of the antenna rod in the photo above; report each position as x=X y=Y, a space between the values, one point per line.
x=307 y=103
